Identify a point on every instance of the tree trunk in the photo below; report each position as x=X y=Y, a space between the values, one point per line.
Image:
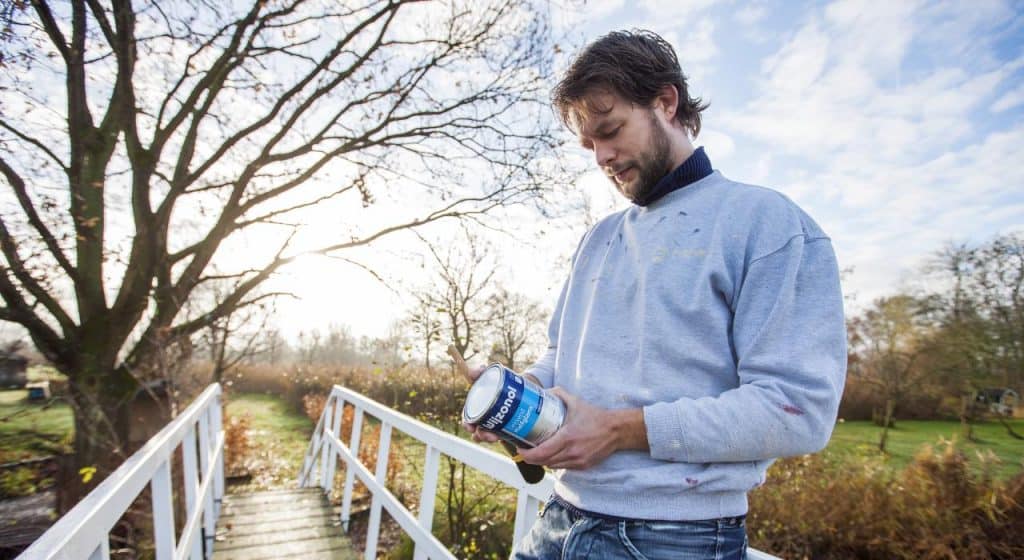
x=101 y=429
x=966 y=426
x=890 y=405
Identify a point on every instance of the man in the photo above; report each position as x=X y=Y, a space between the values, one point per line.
x=699 y=336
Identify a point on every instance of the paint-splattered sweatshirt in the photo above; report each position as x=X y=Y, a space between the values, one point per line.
x=717 y=310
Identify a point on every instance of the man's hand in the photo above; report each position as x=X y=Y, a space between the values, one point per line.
x=589 y=435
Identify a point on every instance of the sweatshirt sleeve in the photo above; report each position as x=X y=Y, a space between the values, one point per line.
x=544 y=368
x=789 y=337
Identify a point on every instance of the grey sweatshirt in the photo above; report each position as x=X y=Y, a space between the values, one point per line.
x=717 y=310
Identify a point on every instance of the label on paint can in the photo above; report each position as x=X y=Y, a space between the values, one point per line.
x=514 y=408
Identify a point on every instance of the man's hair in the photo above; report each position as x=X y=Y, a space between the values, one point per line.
x=636 y=65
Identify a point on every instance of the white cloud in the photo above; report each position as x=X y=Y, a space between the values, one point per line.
x=719 y=145
x=676 y=10
x=695 y=47
x=1009 y=100
x=837 y=85
x=751 y=14
x=799 y=63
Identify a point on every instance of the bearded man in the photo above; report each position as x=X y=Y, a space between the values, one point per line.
x=698 y=337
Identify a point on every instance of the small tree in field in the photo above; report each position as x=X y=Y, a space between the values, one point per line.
x=887 y=341
x=139 y=140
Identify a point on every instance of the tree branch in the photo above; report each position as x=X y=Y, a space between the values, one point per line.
x=21 y=192
x=35 y=143
x=17 y=266
x=52 y=29
x=18 y=311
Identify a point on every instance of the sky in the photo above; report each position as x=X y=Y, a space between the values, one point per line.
x=896 y=125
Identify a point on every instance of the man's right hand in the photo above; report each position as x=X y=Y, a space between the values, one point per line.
x=471 y=375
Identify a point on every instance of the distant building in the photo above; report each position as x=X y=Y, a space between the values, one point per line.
x=39 y=391
x=12 y=370
x=998 y=400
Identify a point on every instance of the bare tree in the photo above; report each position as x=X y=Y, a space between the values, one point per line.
x=515 y=321
x=231 y=119
x=425 y=324
x=457 y=295
x=238 y=337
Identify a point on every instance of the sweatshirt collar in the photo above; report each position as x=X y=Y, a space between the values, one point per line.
x=695 y=168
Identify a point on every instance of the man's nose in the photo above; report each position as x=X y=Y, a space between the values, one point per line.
x=604 y=153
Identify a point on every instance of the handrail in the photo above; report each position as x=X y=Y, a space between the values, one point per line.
x=326 y=443
x=84 y=531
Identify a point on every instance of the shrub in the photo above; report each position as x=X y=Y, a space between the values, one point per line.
x=860 y=508
x=863 y=401
x=313 y=405
x=16 y=482
x=237 y=445
x=433 y=396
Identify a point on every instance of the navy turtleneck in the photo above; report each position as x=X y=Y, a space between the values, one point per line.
x=695 y=168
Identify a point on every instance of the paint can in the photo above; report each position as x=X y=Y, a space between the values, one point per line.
x=514 y=408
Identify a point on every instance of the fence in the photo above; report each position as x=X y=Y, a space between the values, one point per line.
x=84 y=531
x=320 y=463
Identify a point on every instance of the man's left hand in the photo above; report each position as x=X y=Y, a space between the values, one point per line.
x=588 y=435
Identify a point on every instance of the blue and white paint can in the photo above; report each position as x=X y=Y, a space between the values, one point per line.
x=514 y=408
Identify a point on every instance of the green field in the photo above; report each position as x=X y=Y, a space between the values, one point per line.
x=908 y=436
x=30 y=430
x=279 y=438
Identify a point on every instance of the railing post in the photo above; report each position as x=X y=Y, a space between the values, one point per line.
x=163 y=512
x=190 y=478
x=325 y=448
x=102 y=551
x=332 y=463
x=309 y=459
x=218 y=430
x=381 y=474
x=204 y=466
x=526 y=514
x=350 y=473
x=428 y=494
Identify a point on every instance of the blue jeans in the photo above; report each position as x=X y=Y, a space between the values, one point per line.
x=566 y=533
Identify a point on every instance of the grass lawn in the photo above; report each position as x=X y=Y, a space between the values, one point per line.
x=30 y=430
x=278 y=436
x=907 y=438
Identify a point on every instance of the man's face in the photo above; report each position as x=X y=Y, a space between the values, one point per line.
x=630 y=144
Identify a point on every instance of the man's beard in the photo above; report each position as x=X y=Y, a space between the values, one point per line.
x=653 y=164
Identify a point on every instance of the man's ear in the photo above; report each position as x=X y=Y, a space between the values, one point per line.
x=667 y=102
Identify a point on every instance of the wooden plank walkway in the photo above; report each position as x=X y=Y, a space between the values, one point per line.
x=280 y=524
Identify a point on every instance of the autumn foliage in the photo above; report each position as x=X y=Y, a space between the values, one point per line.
x=940 y=506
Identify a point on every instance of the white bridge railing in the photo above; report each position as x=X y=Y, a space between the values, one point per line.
x=84 y=531
x=319 y=467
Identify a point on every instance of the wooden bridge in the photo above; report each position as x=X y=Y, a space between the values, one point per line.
x=281 y=524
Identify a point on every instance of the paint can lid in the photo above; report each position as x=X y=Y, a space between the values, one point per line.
x=482 y=394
